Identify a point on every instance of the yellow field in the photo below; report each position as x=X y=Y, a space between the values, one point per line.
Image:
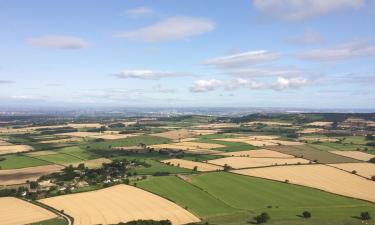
x=93 y=163
x=39 y=153
x=106 y=135
x=318 y=176
x=310 y=131
x=31 y=129
x=260 y=141
x=120 y=203
x=187 y=145
x=203 y=167
x=320 y=124
x=2 y=143
x=246 y=162
x=20 y=176
x=14 y=211
x=6 y=149
x=261 y=153
x=176 y=134
x=363 y=169
x=279 y=142
x=355 y=155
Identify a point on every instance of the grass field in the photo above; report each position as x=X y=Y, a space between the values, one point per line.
x=55 y=221
x=310 y=153
x=59 y=158
x=231 y=199
x=20 y=161
x=79 y=153
x=159 y=167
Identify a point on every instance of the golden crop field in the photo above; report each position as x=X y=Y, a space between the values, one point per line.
x=14 y=211
x=322 y=177
x=355 y=155
x=248 y=162
x=203 y=167
x=320 y=124
x=105 y=135
x=261 y=153
x=20 y=176
x=188 y=145
x=6 y=149
x=120 y=203
x=362 y=169
x=323 y=139
x=310 y=130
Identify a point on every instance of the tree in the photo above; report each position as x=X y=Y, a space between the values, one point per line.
x=262 y=218
x=195 y=168
x=33 y=185
x=372 y=160
x=373 y=178
x=365 y=216
x=306 y=214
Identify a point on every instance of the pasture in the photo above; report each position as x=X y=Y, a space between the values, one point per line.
x=20 y=161
x=120 y=203
x=225 y=198
x=203 y=167
x=249 y=162
x=187 y=146
x=14 y=211
x=59 y=158
x=156 y=166
x=321 y=177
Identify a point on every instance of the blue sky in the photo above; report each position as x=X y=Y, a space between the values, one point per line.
x=261 y=53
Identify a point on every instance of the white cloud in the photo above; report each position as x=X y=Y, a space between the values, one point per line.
x=170 y=29
x=310 y=37
x=58 y=41
x=139 y=12
x=281 y=83
x=349 y=50
x=297 y=10
x=206 y=85
x=243 y=59
x=148 y=74
x=268 y=71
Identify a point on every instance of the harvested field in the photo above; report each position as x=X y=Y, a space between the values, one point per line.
x=261 y=153
x=216 y=125
x=310 y=153
x=319 y=176
x=20 y=176
x=109 y=136
x=84 y=125
x=120 y=203
x=14 y=211
x=246 y=162
x=260 y=141
x=310 y=131
x=6 y=149
x=320 y=124
x=279 y=142
x=2 y=143
x=203 y=167
x=93 y=163
x=362 y=169
x=188 y=145
x=204 y=132
x=355 y=155
x=203 y=151
x=176 y=134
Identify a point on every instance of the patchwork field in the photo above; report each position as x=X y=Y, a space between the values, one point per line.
x=20 y=176
x=204 y=167
x=319 y=124
x=318 y=176
x=216 y=125
x=6 y=149
x=176 y=134
x=261 y=153
x=363 y=169
x=355 y=155
x=230 y=199
x=108 y=136
x=310 y=131
x=269 y=123
x=120 y=203
x=322 y=139
x=59 y=158
x=310 y=153
x=14 y=211
x=93 y=163
x=260 y=141
x=20 y=161
x=247 y=162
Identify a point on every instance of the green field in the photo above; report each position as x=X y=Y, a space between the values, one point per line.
x=79 y=153
x=233 y=199
x=312 y=153
x=55 y=221
x=159 y=167
x=20 y=161
x=59 y=158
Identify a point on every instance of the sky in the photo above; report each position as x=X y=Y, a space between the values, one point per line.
x=169 y=53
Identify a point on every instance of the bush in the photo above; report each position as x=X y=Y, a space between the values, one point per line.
x=372 y=160
x=262 y=218
x=147 y=222
x=365 y=216
x=306 y=214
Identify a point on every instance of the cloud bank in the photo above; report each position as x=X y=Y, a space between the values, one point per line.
x=58 y=42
